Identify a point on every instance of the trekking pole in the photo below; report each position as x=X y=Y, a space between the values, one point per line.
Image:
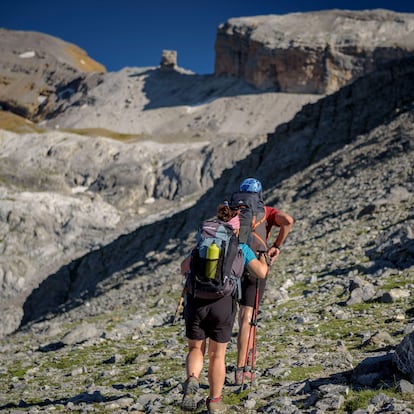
x=180 y=303
x=255 y=315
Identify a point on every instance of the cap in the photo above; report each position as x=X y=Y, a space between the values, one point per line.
x=235 y=203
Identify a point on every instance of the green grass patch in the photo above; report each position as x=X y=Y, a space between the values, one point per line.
x=236 y=398
x=396 y=284
x=339 y=329
x=15 y=123
x=302 y=373
x=102 y=132
x=17 y=371
x=361 y=399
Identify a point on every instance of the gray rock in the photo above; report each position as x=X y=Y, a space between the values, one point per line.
x=406 y=387
x=372 y=370
x=80 y=334
x=330 y=403
x=404 y=356
x=360 y=291
x=394 y=295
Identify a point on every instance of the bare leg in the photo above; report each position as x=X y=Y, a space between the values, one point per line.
x=195 y=357
x=194 y=365
x=217 y=367
x=245 y=316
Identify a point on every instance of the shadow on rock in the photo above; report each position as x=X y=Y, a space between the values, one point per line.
x=173 y=88
x=84 y=398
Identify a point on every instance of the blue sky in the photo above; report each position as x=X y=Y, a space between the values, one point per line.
x=133 y=33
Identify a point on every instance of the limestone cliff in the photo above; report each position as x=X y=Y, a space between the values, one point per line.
x=316 y=52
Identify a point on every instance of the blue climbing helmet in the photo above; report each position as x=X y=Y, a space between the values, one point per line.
x=251 y=185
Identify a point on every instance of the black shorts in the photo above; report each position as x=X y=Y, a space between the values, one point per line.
x=210 y=319
x=248 y=286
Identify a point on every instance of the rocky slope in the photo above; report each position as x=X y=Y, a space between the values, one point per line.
x=338 y=305
x=172 y=105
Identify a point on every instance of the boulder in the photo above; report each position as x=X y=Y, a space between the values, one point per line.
x=404 y=356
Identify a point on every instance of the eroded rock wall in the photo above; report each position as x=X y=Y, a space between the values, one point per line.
x=317 y=52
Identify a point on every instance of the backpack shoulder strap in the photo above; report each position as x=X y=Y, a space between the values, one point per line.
x=256 y=224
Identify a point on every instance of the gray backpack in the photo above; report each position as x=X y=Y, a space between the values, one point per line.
x=252 y=220
x=227 y=266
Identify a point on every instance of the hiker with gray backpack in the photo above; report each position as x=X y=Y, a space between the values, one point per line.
x=213 y=271
x=257 y=221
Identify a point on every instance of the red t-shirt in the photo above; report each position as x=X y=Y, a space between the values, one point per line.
x=271 y=214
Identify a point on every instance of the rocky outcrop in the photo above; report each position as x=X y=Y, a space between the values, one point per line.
x=315 y=52
x=168 y=60
x=37 y=73
x=43 y=78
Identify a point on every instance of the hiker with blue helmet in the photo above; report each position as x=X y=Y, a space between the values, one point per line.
x=209 y=324
x=257 y=221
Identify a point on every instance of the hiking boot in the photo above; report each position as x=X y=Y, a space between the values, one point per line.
x=241 y=376
x=215 y=405
x=189 y=402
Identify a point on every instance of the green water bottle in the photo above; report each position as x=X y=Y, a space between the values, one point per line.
x=213 y=253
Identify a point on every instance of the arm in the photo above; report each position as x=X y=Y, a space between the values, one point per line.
x=284 y=222
x=259 y=267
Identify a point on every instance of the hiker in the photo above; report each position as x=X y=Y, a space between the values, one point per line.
x=272 y=217
x=212 y=319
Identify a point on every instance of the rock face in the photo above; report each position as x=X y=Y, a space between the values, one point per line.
x=316 y=52
x=37 y=72
x=340 y=120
